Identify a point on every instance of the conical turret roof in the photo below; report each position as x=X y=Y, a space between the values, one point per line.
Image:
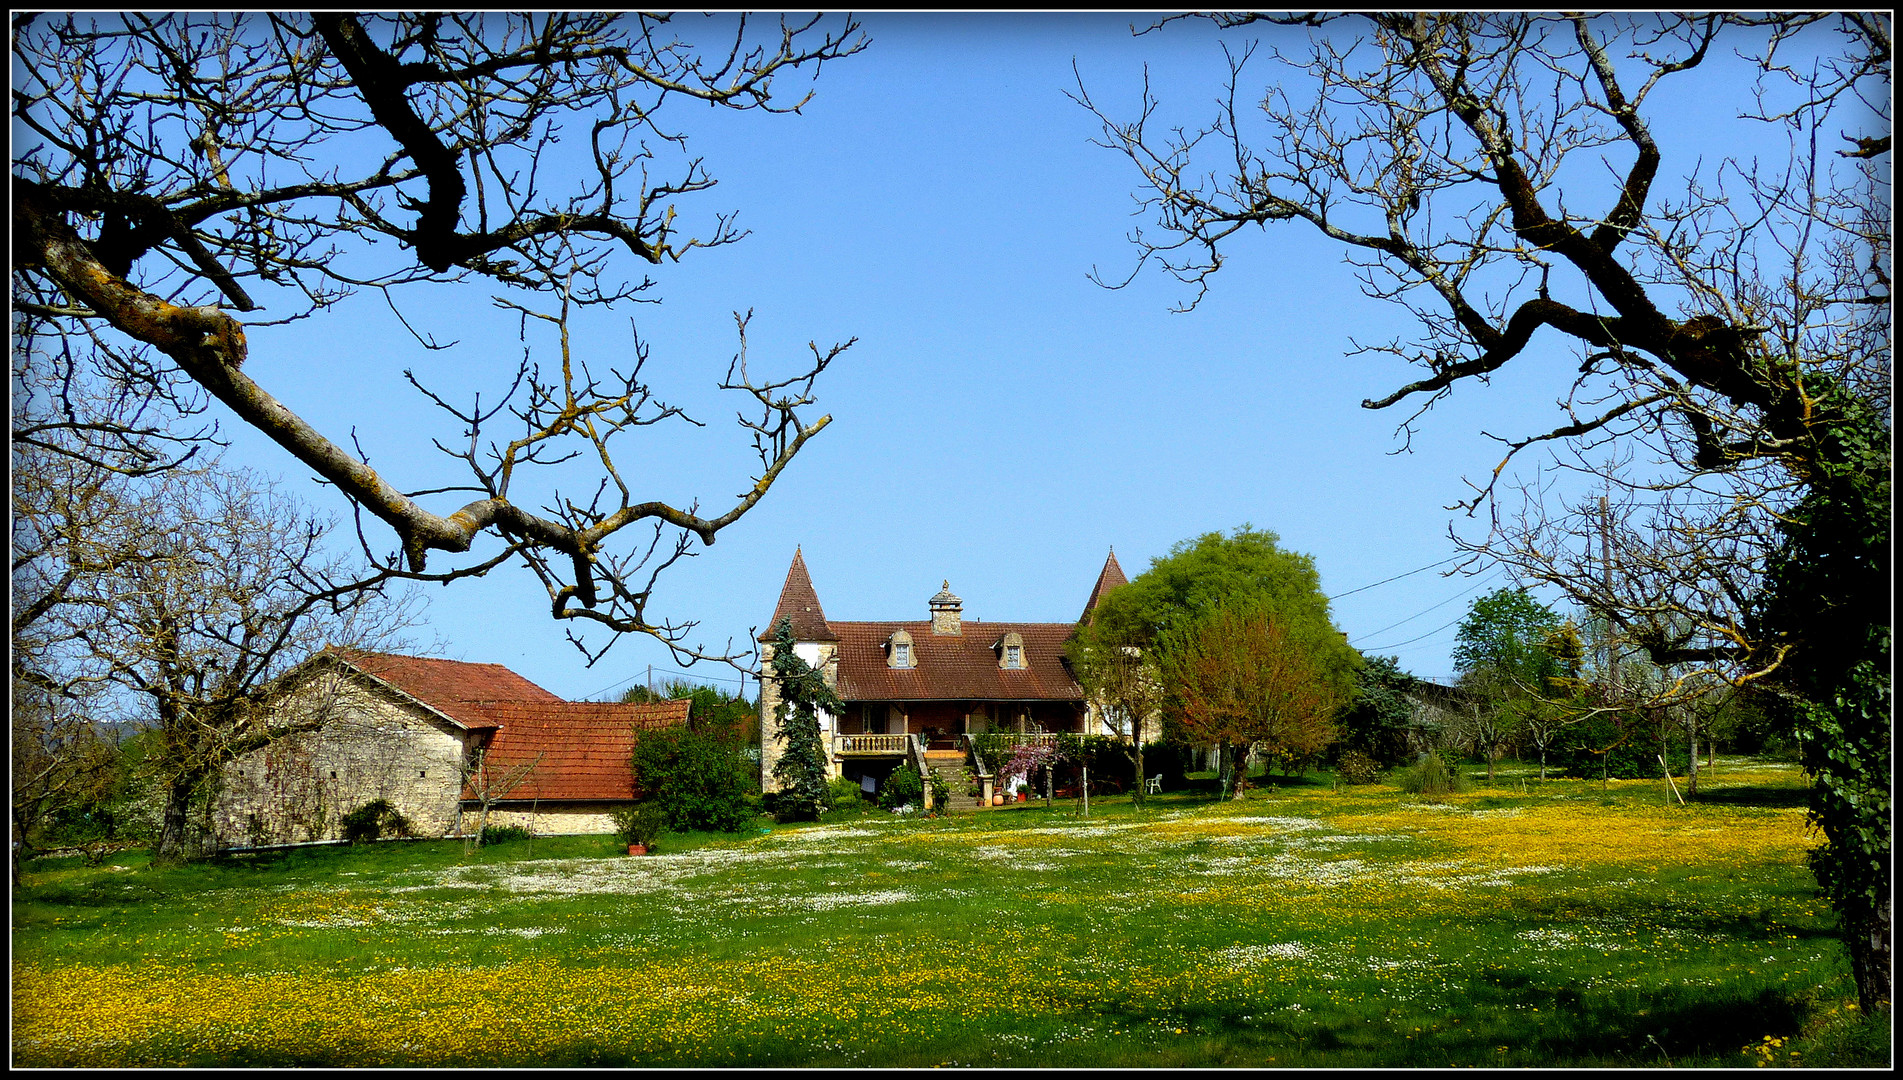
x=800 y=604
x=1109 y=578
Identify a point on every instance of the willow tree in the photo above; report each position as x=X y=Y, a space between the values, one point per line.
x=1503 y=179
x=182 y=178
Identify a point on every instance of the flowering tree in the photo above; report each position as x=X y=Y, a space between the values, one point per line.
x=1239 y=678
x=1028 y=758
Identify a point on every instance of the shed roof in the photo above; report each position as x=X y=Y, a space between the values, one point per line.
x=455 y=688
x=570 y=750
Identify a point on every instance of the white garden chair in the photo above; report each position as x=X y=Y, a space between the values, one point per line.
x=1154 y=786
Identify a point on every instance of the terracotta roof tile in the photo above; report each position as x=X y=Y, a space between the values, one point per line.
x=960 y=666
x=1109 y=578
x=799 y=603
x=584 y=746
x=452 y=687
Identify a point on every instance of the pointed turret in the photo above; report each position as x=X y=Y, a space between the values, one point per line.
x=799 y=603
x=1109 y=578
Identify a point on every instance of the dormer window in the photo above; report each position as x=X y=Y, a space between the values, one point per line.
x=1010 y=650
x=898 y=650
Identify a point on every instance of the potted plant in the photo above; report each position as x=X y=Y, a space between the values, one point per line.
x=639 y=826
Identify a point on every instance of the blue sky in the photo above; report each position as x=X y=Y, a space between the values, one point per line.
x=1003 y=421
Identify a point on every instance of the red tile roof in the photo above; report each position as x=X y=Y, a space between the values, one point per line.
x=579 y=749
x=961 y=666
x=799 y=603
x=454 y=688
x=1110 y=577
x=584 y=747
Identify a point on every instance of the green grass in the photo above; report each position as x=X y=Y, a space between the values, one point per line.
x=1304 y=925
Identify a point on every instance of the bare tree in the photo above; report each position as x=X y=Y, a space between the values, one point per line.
x=226 y=586
x=1498 y=177
x=172 y=170
x=491 y=786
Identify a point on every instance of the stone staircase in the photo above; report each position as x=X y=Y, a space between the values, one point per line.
x=950 y=766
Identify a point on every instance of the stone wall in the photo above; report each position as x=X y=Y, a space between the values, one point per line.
x=373 y=745
x=565 y=819
x=822 y=655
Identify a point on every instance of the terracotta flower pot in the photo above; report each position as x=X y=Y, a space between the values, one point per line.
x=997 y=800
x=637 y=849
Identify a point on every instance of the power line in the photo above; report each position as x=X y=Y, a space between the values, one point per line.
x=1410 y=641
x=1398 y=577
x=1374 y=633
x=674 y=671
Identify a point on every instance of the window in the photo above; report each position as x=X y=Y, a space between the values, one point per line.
x=1009 y=649
x=898 y=650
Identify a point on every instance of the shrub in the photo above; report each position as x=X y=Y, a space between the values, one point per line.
x=695 y=777
x=844 y=794
x=905 y=787
x=1356 y=767
x=1431 y=777
x=641 y=823
x=1609 y=745
x=503 y=834
x=373 y=820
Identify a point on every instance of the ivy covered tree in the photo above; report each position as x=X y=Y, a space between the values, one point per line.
x=801 y=770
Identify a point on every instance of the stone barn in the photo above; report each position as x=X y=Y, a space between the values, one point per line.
x=438 y=739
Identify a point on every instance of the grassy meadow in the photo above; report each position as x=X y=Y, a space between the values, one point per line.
x=1524 y=924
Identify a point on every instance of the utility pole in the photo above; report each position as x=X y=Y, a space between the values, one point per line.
x=1605 y=558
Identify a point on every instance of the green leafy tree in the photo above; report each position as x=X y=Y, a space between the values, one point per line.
x=1376 y=720
x=1110 y=664
x=801 y=770
x=1824 y=611
x=1246 y=568
x=1501 y=651
x=695 y=777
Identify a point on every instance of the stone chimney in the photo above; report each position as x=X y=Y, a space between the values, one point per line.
x=945 y=609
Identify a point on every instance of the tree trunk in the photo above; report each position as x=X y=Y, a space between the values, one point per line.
x=1691 y=783
x=178 y=798
x=1141 y=787
x=1870 y=961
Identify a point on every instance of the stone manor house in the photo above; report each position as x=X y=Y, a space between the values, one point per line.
x=437 y=738
x=914 y=692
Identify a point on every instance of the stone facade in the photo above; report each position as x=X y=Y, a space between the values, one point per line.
x=375 y=744
x=432 y=737
x=932 y=681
